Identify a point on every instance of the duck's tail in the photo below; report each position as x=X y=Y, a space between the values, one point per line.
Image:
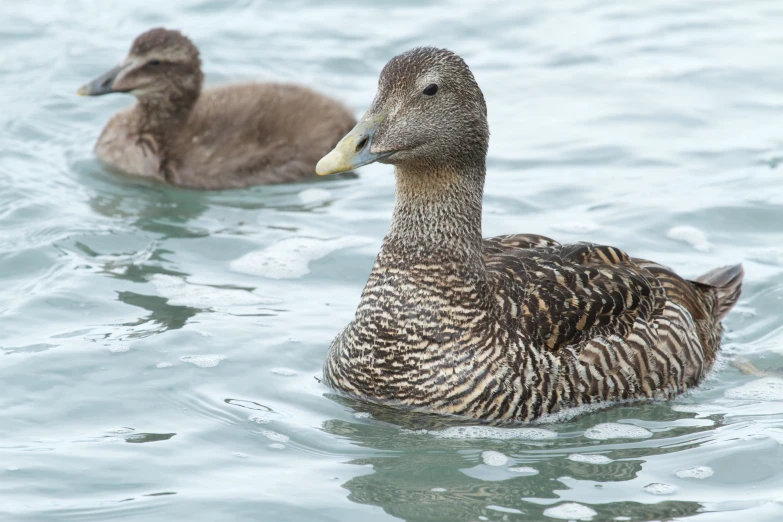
x=726 y=282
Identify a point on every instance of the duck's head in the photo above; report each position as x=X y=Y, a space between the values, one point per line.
x=428 y=112
x=161 y=64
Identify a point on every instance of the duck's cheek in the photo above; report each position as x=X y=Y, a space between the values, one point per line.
x=391 y=159
x=402 y=135
x=135 y=84
x=146 y=90
x=406 y=158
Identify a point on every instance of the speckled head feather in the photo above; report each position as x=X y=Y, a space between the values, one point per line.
x=167 y=41
x=163 y=67
x=430 y=63
x=447 y=127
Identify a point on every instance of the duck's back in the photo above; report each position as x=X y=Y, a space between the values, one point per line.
x=252 y=134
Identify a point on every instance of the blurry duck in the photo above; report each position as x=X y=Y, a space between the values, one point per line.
x=511 y=327
x=229 y=137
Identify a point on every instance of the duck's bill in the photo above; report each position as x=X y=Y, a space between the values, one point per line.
x=353 y=151
x=102 y=84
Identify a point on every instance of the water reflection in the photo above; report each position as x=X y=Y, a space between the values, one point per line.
x=467 y=478
x=141 y=438
x=162 y=316
x=155 y=209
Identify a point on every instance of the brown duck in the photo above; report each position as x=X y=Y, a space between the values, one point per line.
x=511 y=327
x=229 y=137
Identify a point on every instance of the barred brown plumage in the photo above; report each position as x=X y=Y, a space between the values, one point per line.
x=511 y=327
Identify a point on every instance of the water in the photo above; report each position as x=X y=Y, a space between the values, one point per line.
x=160 y=346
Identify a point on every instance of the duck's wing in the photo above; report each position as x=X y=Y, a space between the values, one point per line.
x=499 y=244
x=565 y=293
x=616 y=317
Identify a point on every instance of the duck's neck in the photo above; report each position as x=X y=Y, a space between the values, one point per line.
x=437 y=215
x=161 y=118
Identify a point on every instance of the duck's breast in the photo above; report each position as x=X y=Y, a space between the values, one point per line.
x=121 y=147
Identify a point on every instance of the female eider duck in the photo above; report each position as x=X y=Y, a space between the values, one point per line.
x=511 y=327
x=229 y=137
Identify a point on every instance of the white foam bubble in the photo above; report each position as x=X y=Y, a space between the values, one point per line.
x=120 y=431
x=362 y=415
x=273 y=435
x=203 y=361
x=700 y=409
x=766 y=389
x=314 y=195
x=523 y=470
x=120 y=348
x=503 y=509
x=592 y=458
x=495 y=433
x=615 y=430
x=240 y=455
x=284 y=372
x=259 y=419
x=658 y=488
x=494 y=458
x=691 y=235
x=164 y=365
x=277 y=446
x=290 y=258
x=567 y=414
x=179 y=292
x=570 y=511
x=439 y=490
x=699 y=472
x=13 y=468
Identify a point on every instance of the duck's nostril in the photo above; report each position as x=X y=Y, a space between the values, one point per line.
x=361 y=144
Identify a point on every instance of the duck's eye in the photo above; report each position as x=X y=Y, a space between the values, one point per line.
x=431 y=89
x=153 y=62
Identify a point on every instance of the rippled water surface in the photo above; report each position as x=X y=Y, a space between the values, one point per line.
x=160 y=347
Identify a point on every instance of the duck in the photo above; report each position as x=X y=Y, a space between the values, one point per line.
x=510 y=328
x=228 y=137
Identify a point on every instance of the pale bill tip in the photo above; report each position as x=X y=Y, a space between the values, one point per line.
x=329 y=164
